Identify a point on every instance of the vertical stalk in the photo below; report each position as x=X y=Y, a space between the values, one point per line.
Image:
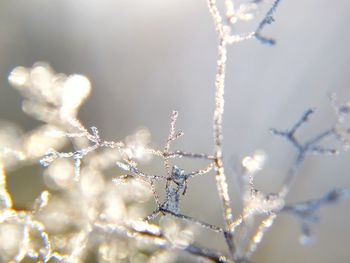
x=220 y=177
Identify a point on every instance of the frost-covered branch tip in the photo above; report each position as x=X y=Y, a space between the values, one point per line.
x=268 y=19
x=311 y=146
x=307 y=211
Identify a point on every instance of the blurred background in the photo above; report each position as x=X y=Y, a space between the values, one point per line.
x=147 y=58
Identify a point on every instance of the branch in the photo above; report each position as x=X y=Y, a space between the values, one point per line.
x=268 y=19
x=152 y=234
x=307 y=211
x=221 y=183
x=309 y=147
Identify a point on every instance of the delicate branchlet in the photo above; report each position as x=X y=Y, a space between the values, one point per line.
x=176 y=181
x=172 y=137
x=29 y=227
x=268 y=19
x=312 y=146
x=254 y=202
x=307 y=212
x=78 y=155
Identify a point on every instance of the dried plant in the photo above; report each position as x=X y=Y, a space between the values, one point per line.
x=84 y=213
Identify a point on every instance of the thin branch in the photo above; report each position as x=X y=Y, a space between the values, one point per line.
x=307 y=211
x=268 y=19
x=307 y=208
x=259 y=234
x=152 y=234
x=193 y=220
x=303 y=149
x=171 y=137
x=221 y=183
x=309 y=147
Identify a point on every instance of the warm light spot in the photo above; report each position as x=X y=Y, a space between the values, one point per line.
x=59 y=174
x=10 y=237
x=75 y=90
x=257 y=238
x=19 y=77
x=136 y=145
x=115 y=209
x=111 y=251
x=91 y=182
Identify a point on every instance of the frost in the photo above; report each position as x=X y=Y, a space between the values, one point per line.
x=137 y=216
x=49 y=158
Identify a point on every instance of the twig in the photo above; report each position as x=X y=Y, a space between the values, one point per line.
x=221 y=183
x=268 y=19
x=303 y=149
x=152 y=234
x=310 y=146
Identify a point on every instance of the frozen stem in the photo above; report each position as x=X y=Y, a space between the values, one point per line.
x=309 y=147
x=221 y=183
x=268 y=19
x=307 y=211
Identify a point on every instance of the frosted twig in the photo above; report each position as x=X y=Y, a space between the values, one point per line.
x=221 y=183
x=47 y=252
x=201 y=172
x=307 y=211
x=101 y=205
x=154 y=192
x=306 y=208
x=310 y=146
x=232 y=39
x=133 y=169
x=25 y=220
x=153 y=215
x=259 y=234
x=171 y=137
x=78 y=155
x=268 y=19
x=193 y=220
x=152 y=234
x=303 y=149
x=180 y=154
